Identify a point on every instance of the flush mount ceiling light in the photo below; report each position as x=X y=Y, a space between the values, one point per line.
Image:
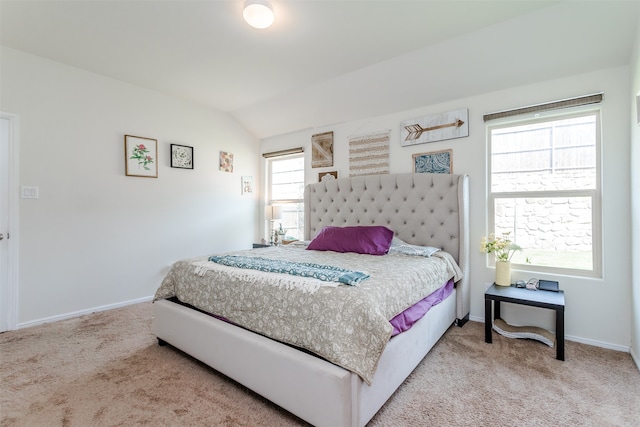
x=258 y=13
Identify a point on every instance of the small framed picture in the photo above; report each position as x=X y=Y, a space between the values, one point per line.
x=181 y=156
x=226 y=161
x=247 y=185
x=327 y=176
x=434 y=162
x=141 y=156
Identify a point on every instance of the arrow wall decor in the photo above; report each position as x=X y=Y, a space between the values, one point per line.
x=436 y=127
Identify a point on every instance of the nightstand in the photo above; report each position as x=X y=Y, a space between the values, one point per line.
x=260 y=245
x=543 y=299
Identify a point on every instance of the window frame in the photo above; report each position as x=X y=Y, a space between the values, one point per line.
x=269 y=200
x=594 y=194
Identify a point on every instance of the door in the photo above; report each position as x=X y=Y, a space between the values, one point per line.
x=7 y=261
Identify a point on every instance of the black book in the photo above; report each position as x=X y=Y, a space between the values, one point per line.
x=548 y=285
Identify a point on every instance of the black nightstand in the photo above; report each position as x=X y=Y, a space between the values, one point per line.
x=260 y=245
x=542 y=299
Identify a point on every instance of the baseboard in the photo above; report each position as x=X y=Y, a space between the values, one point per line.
x=635 y=358
x=594 y=343
x=601 y=344
x=81 y=313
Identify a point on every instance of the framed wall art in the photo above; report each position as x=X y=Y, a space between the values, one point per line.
x=226 y=161
x=327 y=176
x=436 y=127
x=322 y=150
x=369 y=154
x=181 y=156
x=247 y=185
x=141 y=156
x=434 y=162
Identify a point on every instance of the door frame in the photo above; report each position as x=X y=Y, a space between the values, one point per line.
x=9 y=309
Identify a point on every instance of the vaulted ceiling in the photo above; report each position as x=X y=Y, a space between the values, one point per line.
x=324 y=61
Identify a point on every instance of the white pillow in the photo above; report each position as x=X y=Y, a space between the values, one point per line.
x=400 y=247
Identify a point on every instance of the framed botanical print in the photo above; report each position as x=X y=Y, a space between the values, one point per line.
x=141 y=156
x=181 y=156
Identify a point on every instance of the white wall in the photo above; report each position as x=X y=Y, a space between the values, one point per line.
x=96 y=237
x=598 y=310
x=635 y=200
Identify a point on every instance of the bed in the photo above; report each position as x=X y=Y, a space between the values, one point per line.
x=421 y=209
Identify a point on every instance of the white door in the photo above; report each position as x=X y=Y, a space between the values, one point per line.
x=7 y=300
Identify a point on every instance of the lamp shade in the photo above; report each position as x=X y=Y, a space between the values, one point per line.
x=273 y=213
x=258 y=13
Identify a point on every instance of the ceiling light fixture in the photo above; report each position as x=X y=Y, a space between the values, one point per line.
x=258 y=13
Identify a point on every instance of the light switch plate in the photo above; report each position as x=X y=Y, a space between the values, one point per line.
x=27 y=192
x=638 y=106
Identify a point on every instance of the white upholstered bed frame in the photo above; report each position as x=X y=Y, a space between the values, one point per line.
x=424 y=209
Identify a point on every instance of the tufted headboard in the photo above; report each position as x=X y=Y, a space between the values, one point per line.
x=421 y=209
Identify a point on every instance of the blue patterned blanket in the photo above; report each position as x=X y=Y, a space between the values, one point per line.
x=325 y=273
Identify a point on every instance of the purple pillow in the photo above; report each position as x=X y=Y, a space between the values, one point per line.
x=372 y=240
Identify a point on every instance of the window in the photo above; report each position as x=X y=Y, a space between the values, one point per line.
x=286 y=189
x=544 y=185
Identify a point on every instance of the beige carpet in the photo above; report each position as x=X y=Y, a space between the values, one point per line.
x=107 y=370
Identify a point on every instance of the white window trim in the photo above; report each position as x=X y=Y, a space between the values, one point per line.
x=269 y=159
x=594 y=194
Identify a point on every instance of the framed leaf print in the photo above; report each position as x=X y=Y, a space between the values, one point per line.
x=141 y=156
x=181 y=156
